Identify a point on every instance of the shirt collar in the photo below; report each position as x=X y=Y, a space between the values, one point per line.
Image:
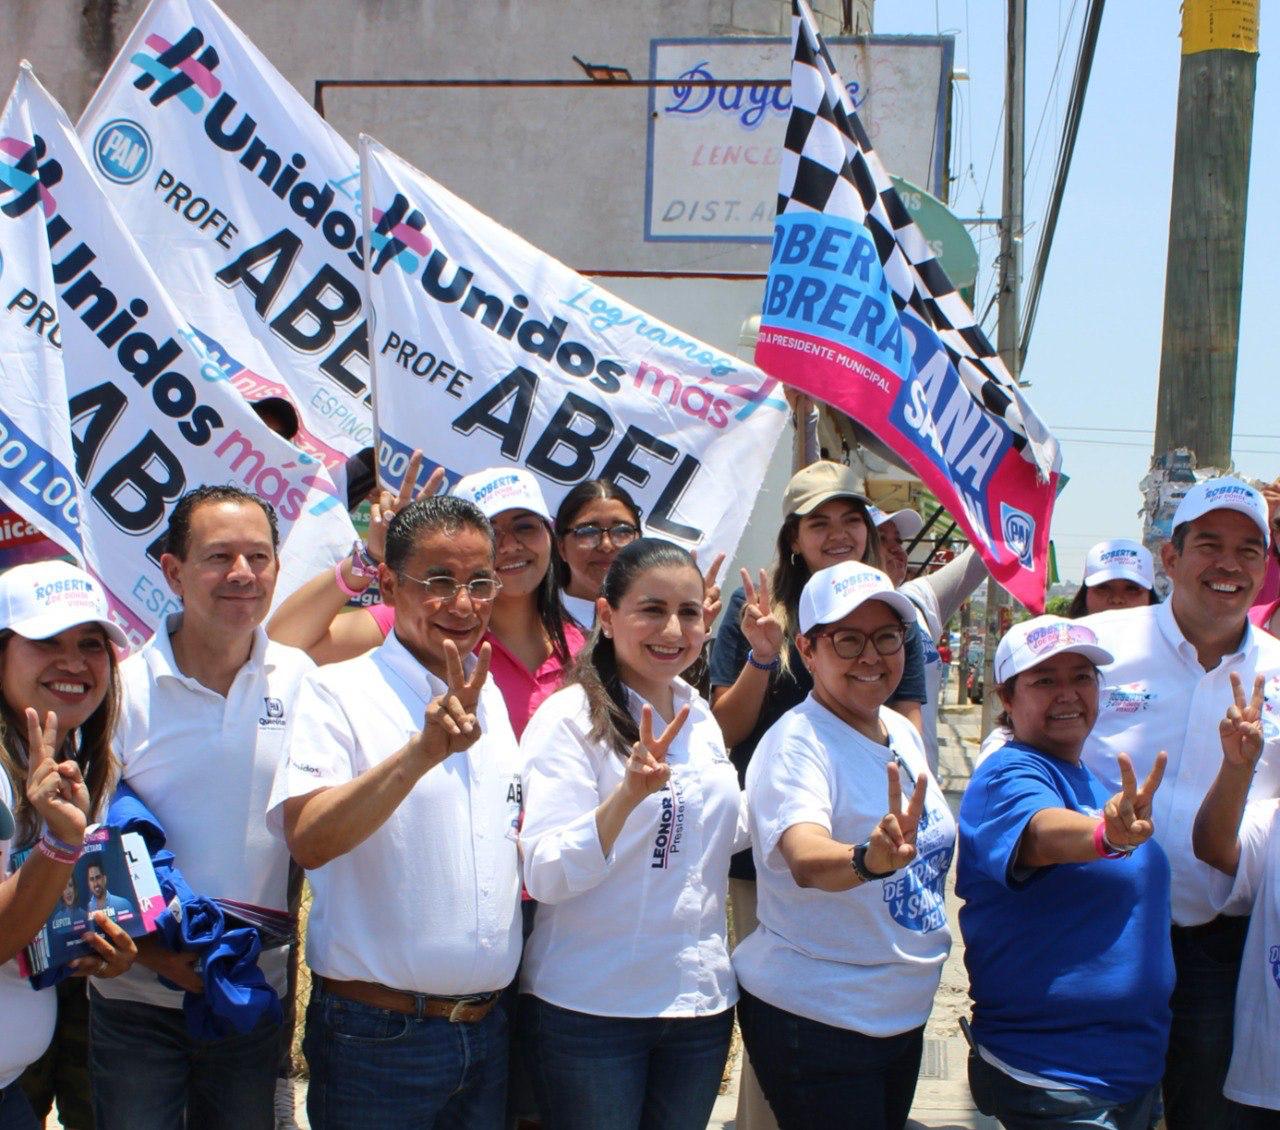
x=1169 y=628
x=681 y=693
x=405 y=667
x=161 y=663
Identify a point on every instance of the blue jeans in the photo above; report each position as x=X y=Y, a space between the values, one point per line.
x=15 y=1111
x=1207 y=959
x=372 y=1068
x=148 y=1073
x=624 y=1073
x=1020 y=1106
x=815 y=1075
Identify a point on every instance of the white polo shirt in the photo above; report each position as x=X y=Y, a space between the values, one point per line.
x=28 y=1016
x=867 y=959
x=429 y=902
x=1156 y=696
x=639 y=932
x=1254 y=1078
x=204 y=765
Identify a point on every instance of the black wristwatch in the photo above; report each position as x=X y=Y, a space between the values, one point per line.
x=860 y=864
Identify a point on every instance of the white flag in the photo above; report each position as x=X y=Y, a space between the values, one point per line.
x=147 y=420
x=490 y=352
x=246 y=203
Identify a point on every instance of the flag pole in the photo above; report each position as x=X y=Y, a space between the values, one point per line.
x=1007 y=332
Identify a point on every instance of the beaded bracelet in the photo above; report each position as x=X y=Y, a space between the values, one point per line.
x=773 y=666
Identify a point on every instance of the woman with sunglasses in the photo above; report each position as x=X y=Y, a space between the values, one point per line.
x=632 y=810
x=838 y=979
x=59 y=698
x=596 y=519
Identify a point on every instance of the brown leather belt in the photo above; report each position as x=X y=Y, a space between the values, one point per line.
x=456 y=1010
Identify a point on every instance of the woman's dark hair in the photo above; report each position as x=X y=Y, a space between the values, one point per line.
x=550 y=606
x=590 y=490
x=1077 y=608
x=596 y=668
x=791 y=574
x=90 y=746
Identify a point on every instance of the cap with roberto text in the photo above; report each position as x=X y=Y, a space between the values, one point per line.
x=818 y=483
x=1225 y=493
x=1030 y=643
x=503 y=488
x=831 y=594
x=1120 y=559
x=42 y=599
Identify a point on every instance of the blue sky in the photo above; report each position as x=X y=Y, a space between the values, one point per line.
x=1095 y=352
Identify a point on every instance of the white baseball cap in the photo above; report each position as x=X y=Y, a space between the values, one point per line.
x=908 y=522
x=831 y=594
x=1120 y=559
x=1030 y=643
x=503 y=488
x=1225 y=493
x=47 y=597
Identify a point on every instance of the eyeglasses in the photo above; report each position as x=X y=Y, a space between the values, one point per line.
x=591 y=536
x=849 y=643
x=446 y=589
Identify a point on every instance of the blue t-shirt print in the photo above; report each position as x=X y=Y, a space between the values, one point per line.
x=916 y=896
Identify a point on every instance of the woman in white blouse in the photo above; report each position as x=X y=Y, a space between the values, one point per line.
x=626 y=844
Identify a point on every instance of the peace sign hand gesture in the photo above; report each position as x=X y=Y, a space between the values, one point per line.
x=55 y=789
x=893 y=843
x=711 y=602
x=759 y=624
x=388 y=505
x=647 y=768
x=1241 y=730
x=451 y=724
x=1127 y=816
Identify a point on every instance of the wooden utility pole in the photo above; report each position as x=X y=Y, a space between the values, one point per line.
x=1007 y=329
x=1196 y=400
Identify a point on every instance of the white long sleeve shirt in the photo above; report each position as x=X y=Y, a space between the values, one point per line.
x=639 y=932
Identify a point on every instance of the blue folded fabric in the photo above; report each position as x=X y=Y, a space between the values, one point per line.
x=236 y=995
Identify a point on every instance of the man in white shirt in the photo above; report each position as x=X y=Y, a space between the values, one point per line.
x=201 y=734
x=401 y=796
x=1168 y=689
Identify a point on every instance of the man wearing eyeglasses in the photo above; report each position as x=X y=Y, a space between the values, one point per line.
x=400 y=796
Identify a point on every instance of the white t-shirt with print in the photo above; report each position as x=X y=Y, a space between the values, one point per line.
x=26 y=1017
x=639 y=932
x=1254 y=1078
x=867 y=959
x=429 y=902
x=204 y=764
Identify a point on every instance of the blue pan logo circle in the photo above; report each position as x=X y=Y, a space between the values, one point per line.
x=122 y=151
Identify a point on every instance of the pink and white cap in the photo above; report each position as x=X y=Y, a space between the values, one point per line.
x=47 y=597
x=1120 y=559
x=1030 y=643
x=503 y=488
x=1223 y=493
x=831 y=594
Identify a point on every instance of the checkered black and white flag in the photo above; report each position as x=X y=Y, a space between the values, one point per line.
x=858 y=311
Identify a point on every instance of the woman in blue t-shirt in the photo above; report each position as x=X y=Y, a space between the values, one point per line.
x=1066 y=905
